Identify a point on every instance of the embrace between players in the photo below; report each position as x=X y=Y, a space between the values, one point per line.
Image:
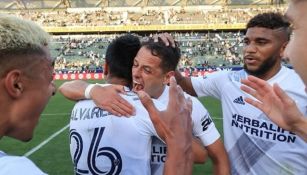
x=263 y=148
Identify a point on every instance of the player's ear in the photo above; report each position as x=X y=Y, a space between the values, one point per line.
x=13 y=83
x=168 y=76
x=282 y=49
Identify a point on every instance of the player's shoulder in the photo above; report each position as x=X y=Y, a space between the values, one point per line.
x=219 y=77
x=186 y=95
x=16 y=164
x=288 y=79
x=290 y=82
x=134 y=99
x=84 y=104
x=237 y=76
x=131 y=97
x=196 y=103
x=291 y=74
x=219 y=73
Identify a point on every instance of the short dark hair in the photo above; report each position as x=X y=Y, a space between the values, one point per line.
x=120 y=55
x=272 y=21
x=169 y=55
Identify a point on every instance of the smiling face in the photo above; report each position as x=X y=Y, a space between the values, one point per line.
x=262 y=51
x=147 y=73
x=296 y=50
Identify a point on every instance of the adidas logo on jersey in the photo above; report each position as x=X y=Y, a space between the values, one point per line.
x=239 y=100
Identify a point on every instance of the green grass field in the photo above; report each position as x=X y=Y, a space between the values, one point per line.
x=54 y=158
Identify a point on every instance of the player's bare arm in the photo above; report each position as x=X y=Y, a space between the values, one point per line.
x=73 y=90
x=218 y=156
x=185 y=83
x=200 y=154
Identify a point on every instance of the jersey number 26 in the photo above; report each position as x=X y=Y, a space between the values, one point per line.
x=93 y=153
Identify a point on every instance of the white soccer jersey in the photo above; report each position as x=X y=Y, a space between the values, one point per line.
x=101 y=143
x=203 y=128
x=16 y=165
x=254 y=144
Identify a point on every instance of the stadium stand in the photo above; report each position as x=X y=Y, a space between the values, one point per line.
x=83 y=16
x=209 y=31
x=47 y=4
x=153 y=18
x=84 y=53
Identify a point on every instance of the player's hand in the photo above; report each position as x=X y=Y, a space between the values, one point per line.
x=111 y=101
x=273 y=101
x=166 y=38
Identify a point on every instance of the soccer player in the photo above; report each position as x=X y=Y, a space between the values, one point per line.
x=26 y=85
x=153 y=66
x=254 y=144
x=277 y=105
x=177 y=130
x=103 y=143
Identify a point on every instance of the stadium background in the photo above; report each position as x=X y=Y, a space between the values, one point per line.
x=209 y=32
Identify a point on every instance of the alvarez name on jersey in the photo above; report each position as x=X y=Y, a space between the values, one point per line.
x=101 y=143
x=256 y=145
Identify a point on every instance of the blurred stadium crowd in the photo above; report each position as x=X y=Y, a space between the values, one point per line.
x=144 y=16
x=86 y=53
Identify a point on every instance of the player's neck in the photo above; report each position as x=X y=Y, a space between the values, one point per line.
x=4 y=123
x=271 y=73
x=115 y=80
x=159 y=92
x=6 y=108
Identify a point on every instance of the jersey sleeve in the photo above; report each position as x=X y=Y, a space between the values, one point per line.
x=209 y=85
x=143 y=121
x=203 y=126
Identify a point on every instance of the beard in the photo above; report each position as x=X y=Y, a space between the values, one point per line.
x=263 y=68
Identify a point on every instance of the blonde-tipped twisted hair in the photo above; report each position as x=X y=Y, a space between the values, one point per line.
x=19 y=38
x=17 y=33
